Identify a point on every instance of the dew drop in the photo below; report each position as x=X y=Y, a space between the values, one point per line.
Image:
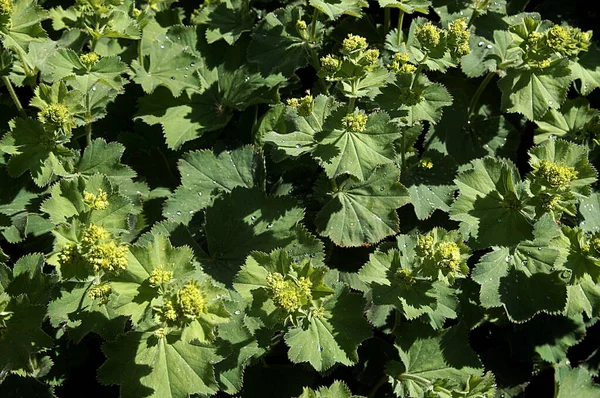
x=253 y=218
x=186 y=68
x=320 y=349
x=247 y=78
x=269 y=226
x=508 y=258
x=236 y=312
x=382 y=189
x=191 y=211
x=499 y=220
x=186 y=76
x=172 y=77
x=199 y=193
x=178 y=213
x=162 y=46
x=524 y=262
x=539 y=249
x=298 y=146
x=489 y=46
x=480 y=43
x=192 y=64
x=94 y=88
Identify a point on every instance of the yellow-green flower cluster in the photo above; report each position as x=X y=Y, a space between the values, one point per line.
x=429 y=35
x=401 y=64
x=410 y=97
x=101 y=252
x=97 y=201
x=404 y=277
x=89 y=59
x=458 y=37
x=425 y=245
x=288 y=294
x=168 y=312
x=6 y=7
x=58 y=116
x=159 y=276
x=300 y=25
x=447 y=255
x=354 y=43
x=426 y=163
x=556 y=174
x=567 y=40
x=100 y=292
x=330 y=65
x=355 y=122
x=191 y=301
x=303 y=105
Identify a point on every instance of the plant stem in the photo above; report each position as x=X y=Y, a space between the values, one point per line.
x=334 y=185
x=377 y=386
x=386 y=20
x=313 y=25
x=351 y=104
x=480 y=90
x=88 y=134
x=317 y=66
x=14 y=97
x=400 y=22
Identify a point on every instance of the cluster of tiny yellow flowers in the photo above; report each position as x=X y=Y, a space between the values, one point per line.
x=425 y=245
x=401 y=64
x=556 y=174
x=168 y=312
x=68 y=253
x=136 y=12
x=101 y=252
x=97 y=201
x=287 y=294
x=330 y=64
x=404 y=277
x=300 y=25
x=354 y=43
x=161 y=333
x=57 y=115
x=550 y=202
x=595 y=243
x=6 y=7
x=191 y=301
x=355 y=122
x=303 y=105
x=318 y=312
x=159 y=276
x=429 y=35
x=426 y=163
x=447 y=255
x=458 y=37
x=100 y=293
x=89 y=59
x=567 y=40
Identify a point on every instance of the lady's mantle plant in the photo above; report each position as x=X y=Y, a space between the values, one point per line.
x=298 y=199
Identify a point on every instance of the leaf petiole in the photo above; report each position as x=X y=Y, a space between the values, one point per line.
x=13 y=96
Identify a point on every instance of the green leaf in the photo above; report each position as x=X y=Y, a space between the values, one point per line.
x=336 y=8
x=247 y=220
x=185 y=118
x=276 y=44
x=431 y=358
x=525 y=280
x=29 y=279
x=101 y=157
x=108 y=71
x=67 y=200
x=25 y=25
x=587 y=69
x=588 y=208
x=532 y=92
x=166 y=64
x=569 y=122
x=407 y=6
x=206 y=174
x=492 y=205
x=226 y=20
x=343 y=150
x=426 y=102
x=33 y=149
x=332 y=338
x=338 y=389
x=359 y=213
x=149 y=366
x=572 y=382
x=77 y=312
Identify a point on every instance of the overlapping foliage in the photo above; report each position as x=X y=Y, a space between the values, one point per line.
x=299 y=194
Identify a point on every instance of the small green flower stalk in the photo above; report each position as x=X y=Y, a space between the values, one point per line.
x=561 y=175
